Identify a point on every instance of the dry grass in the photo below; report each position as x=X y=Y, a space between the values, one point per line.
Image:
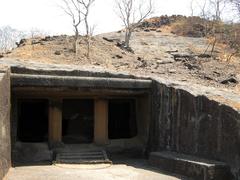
x=227 y=36
x=59 y=50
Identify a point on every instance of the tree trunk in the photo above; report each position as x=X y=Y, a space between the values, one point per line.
x=87 y=36
x=213 y=45
x=218 y=11
x=128 y=35
x=75 y=43
x=88 y=46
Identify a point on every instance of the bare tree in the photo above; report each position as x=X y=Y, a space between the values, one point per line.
x=211 y=11
x=8 y=38
x=236 y=4
x=132 y=13
x=73 y=9
x=215 y=29
x=35 y=33
x=86 y=4
x=191 y=7
x=203 y=11
x=217 y=6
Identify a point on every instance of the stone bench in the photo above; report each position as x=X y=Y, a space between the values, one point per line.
x=190 y=166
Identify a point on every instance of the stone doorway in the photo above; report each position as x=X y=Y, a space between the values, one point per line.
x=122 y=119
x=78 y=121
x=33 y=120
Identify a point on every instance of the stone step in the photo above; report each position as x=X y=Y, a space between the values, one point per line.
x=83 y=157
x=190 y=166
x=79 y=153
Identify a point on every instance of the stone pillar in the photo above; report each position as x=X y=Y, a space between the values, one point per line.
x=55 y=121
x=101 y=122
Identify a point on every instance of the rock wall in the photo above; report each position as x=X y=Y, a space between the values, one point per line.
x=5 y=145
x=194 y=125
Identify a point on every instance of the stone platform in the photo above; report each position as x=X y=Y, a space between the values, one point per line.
x=190 y=166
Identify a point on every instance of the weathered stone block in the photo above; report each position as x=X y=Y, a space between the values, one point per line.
x=190 y=166
x=194 y=124
x=5 y=145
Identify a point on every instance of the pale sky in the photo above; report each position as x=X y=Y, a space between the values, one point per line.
x=46 y=15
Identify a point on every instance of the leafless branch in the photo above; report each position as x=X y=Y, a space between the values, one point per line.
x=73 y=9
x=85 y=10
x=236 y=4
x=132 y=13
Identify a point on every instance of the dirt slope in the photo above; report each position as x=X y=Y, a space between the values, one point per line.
x=156 y=51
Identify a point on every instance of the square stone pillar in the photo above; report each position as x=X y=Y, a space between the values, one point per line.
x=101 y=122
x=55 y=121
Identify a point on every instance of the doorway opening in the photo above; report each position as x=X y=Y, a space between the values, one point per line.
x=122 y=119
x=33 y=120
x=78 y=121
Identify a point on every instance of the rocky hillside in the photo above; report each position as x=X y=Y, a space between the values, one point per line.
x=157 y=51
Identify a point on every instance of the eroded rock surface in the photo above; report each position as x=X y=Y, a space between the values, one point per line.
x=186 y=118
x=5 y=146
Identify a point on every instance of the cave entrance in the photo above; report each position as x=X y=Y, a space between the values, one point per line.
x=78 y=121
x=33 y=120
x=122 y=119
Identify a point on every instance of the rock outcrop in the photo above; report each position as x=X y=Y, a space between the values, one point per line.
x=5 y=145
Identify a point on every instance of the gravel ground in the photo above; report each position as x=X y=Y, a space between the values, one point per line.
x=138 y=171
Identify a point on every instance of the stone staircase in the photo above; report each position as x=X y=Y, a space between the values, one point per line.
x=190 y=166
x=83 y=157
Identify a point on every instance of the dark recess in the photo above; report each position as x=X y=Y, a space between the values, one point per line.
x=33 y=120
x=78 y=121
x=122 y=119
